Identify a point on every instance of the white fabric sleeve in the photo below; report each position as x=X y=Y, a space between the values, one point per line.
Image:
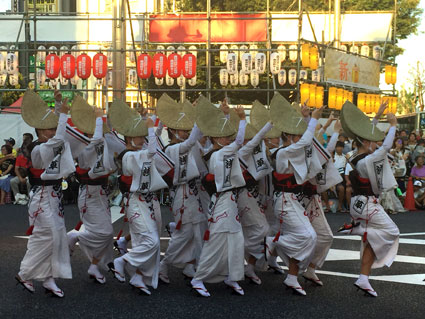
x=249 y=147
x=61 y=129
x=98 y=131
x=152 y=142
x=241 y=132
x=332 y=142
x=194 y=136
x=305 y=139
x=389 y=139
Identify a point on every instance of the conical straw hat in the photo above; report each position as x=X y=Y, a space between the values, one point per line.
x=259 y=116
x=36 y=113
x=211 y=120
x=125 y=120
x=174 y=115
x=83 y=117
x=250 y=131
x=190 y=110
x=285 y=117
x=356 y=123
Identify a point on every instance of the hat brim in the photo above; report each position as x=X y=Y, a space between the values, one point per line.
x=125 y=120
x=36 y=113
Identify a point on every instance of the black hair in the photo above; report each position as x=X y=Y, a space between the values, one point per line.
x=340 y=144
x=8 y=148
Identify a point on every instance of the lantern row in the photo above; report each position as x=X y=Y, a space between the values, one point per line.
x=370 y=103
x=312 y=94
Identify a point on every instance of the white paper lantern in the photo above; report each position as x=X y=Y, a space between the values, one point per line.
x=223 y=53
x=53 y=49
x=2 y=64
x=281 y=50
x=109 y=54
x=292 y=76
x=100 y=82
x=14 y=79
x=74 y=79
x=159 y=81
x=315 y=75
x=169 y=81
x=234 y=79
x=109 y=78
x=274 y=63
x=224 y=77
x=53 y=83
x=246 y=60
x=11 y=63
x=260 y=63
x=241 y=53
x=3 y=78
x=41 y=53
x=192 y=49
x=234 y=47
x=160 y=49
x=181 y=81
x=377 y=52
x=63 y=50
x=243 y=78
x=132 y=76
x=255 y=78
x=364 y=50
x=303 y=74
x=131 y=54
x=354 y=49
x=75 y=51
x=181 y=50
x=343 y=47
x=63 y=81
x=293 y=52
x=232 y=63
x=192 y=81
x=281 y=77
x=170 y=49
x=253 y=49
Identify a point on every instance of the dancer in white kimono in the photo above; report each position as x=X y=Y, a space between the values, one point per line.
x=186 y=241
x=295 y=164
x=143 y=211
x=95 y=163
x=222 y=256
x=47 y=255
x=370 y=176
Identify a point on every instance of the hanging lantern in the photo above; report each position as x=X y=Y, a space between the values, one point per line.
x=232 y=63
x=63 y=50
x=83 y=66
x=159 y=81
x=390 y=74
x=11 y=63
x=100 y=81
x=192 y=49
x=281 y=77
x=159 y=67
x=109 y=78
x=376 y=52
x=181 y=50
x=246 y=61
x=364 y=50
x=52 y=66
x=343 y=47
x=394 y=101
x=160 y=49
x=314 y=57
x=41 y=53
x=305 y=92
x=3 y=78
x=332 y=97
x=2 y=64
x=109 y=54
x=281 y=50
x=350 y=96
x=53 y=84
x=312 y=95
x=189 y=66
x=174 y=65
x=74 y=80
x=192 y=81
x=245 y=50
x=292 y=76
x=224 y=77
x=274 y=63
x=132 y=77
x=131 y=54
x=255 y=78
x=368 y=106
x=53 y=49
x=63 y=81
x=320 y=92
x=339 y=98
x=67 y=66
x=235 y=48
x=14 y=79
x=74 y=51
x=315 y=76
x=305 y=55
x=303 y=75
x=144 y=66
x=253 y=50
x=293 y=52
x=40 y=77
x=260 y=63
x=234 y=79
x=181 y=81
x=223 y=53
x=170 y=50
x=354 y=49
x=243 y=78
x=100 y=65
x=169 y=81
x=361 y=102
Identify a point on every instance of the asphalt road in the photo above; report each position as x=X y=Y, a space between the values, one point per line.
x=400 y=288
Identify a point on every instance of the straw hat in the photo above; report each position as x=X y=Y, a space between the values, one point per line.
x=36 y=113
x=355 y=123
x=125 y=120
x=83 y=117
x=259 y=116
x=174 y=115
x=250 y=132
x=189 y=109
x=285 y=117
x=211 y=120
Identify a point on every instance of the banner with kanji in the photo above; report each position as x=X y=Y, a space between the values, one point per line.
x=344 y=68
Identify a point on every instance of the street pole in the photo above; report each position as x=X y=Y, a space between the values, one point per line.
x=337 y=23
x=119 y=43
x=208 y=54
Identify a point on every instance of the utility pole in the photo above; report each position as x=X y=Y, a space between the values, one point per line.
x=208 y=54
x=337 y=23
x=119 y=46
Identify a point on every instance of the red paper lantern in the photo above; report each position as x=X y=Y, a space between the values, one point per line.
x=100 y=65
x=174 y=65
x=189 y=66
x=83 y=66
x=160 y=65
x=144 y=66
x=53 y=66
x=68 y=66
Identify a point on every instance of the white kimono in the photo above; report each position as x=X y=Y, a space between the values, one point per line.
x=222 y=255
x=47 y=252
x=376 y=226
x=96 y=238
x=143 y=212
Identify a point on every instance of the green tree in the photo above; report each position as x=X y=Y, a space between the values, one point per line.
x=9 y=97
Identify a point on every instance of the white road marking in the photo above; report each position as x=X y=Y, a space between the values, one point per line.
x=402 y=240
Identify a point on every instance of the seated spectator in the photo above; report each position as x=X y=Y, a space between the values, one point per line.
x=6 y=168
x=419 y=150
x=11 y=142
x=26 y=138
x=22 y=165
x=411 y=142
x=418 y=171
x=399 y=164
x=419 y=194
x=340 y=162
